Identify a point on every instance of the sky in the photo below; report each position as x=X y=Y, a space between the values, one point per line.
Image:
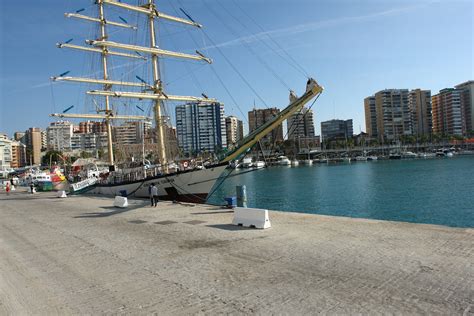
x=260 y=49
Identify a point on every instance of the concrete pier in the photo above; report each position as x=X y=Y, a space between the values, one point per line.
x=81 y=255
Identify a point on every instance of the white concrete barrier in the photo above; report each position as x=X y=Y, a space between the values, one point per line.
x=249 y=217
x=61 y=194
x=120 y=201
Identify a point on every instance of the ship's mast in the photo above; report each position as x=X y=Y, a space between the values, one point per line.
x=158 y=90
x=106 y=87
x=106 y=47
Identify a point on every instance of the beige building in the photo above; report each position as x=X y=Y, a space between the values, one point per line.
x=33 y=144
x=258 y=117
x=467 y=104
x=393 y=114
x=234 y=130
x=419 y=103
x=18 y=154
x=370 y=117
x=130 y=132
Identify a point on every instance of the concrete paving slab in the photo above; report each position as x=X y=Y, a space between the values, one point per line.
x=82 y=256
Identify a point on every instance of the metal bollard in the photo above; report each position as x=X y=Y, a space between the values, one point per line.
x=241 y=196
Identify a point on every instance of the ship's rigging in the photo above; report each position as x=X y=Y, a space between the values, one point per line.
x=106 y=47
x=152 y=88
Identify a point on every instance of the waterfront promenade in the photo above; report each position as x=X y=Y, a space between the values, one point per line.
x=80 y=255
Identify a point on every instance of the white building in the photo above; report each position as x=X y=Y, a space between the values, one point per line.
x=59 y=135
x=88 y=142
x=5 y=152
x=200 y=127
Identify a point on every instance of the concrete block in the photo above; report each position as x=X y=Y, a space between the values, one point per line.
x=120 y=201
x=61 y=194
x=249 y=217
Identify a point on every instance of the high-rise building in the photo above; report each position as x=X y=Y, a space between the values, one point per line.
x=18 y=154
x=393 y=114
x=419 y=103
x=91 y=127
x=200 y=127
x=300 y=124
x=370 y=116
x=258 y=117
x=336 y=129
x=240 y=130
x=447 y=112
x=59 y=135
x=130 y=132
x=33 y=142
x=467 y=104
x=86 y=127
x=44 y=140
x=234 y=130
x=88 y=141
x=5 y=152
x=19 y=136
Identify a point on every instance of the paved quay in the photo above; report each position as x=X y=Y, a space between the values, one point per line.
x=80 y=255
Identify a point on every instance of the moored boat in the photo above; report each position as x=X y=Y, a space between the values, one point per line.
x=283 y=161
x=295 y=163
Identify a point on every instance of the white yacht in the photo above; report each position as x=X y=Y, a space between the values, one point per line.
x=308 y=162
x=283 y=161
x=409 y=155
x=295 y=163
x=259 y=164
x=247 y=163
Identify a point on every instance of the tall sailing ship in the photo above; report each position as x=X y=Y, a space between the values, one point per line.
x=193 y=184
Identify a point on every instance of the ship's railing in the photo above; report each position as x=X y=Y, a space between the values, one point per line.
x=135 y=174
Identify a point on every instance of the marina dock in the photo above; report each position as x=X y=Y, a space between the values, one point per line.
x=81 y=255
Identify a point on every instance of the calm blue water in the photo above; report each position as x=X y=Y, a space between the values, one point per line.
x=433 y=191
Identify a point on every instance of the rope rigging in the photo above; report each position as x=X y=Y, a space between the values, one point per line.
x=293 y=63
x=212 y=67
x=263 y=62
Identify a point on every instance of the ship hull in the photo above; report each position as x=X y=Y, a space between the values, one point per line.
x=187 y=186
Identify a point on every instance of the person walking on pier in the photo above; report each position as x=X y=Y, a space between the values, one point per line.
x=153 y=195
x=7 y=188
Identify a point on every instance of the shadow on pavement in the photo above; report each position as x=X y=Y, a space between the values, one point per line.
x=115 y=211
x=229 y=227
x=210 y=213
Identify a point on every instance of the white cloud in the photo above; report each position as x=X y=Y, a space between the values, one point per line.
x=307 y=27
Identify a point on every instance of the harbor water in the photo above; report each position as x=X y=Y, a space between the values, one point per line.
x=432 y=191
